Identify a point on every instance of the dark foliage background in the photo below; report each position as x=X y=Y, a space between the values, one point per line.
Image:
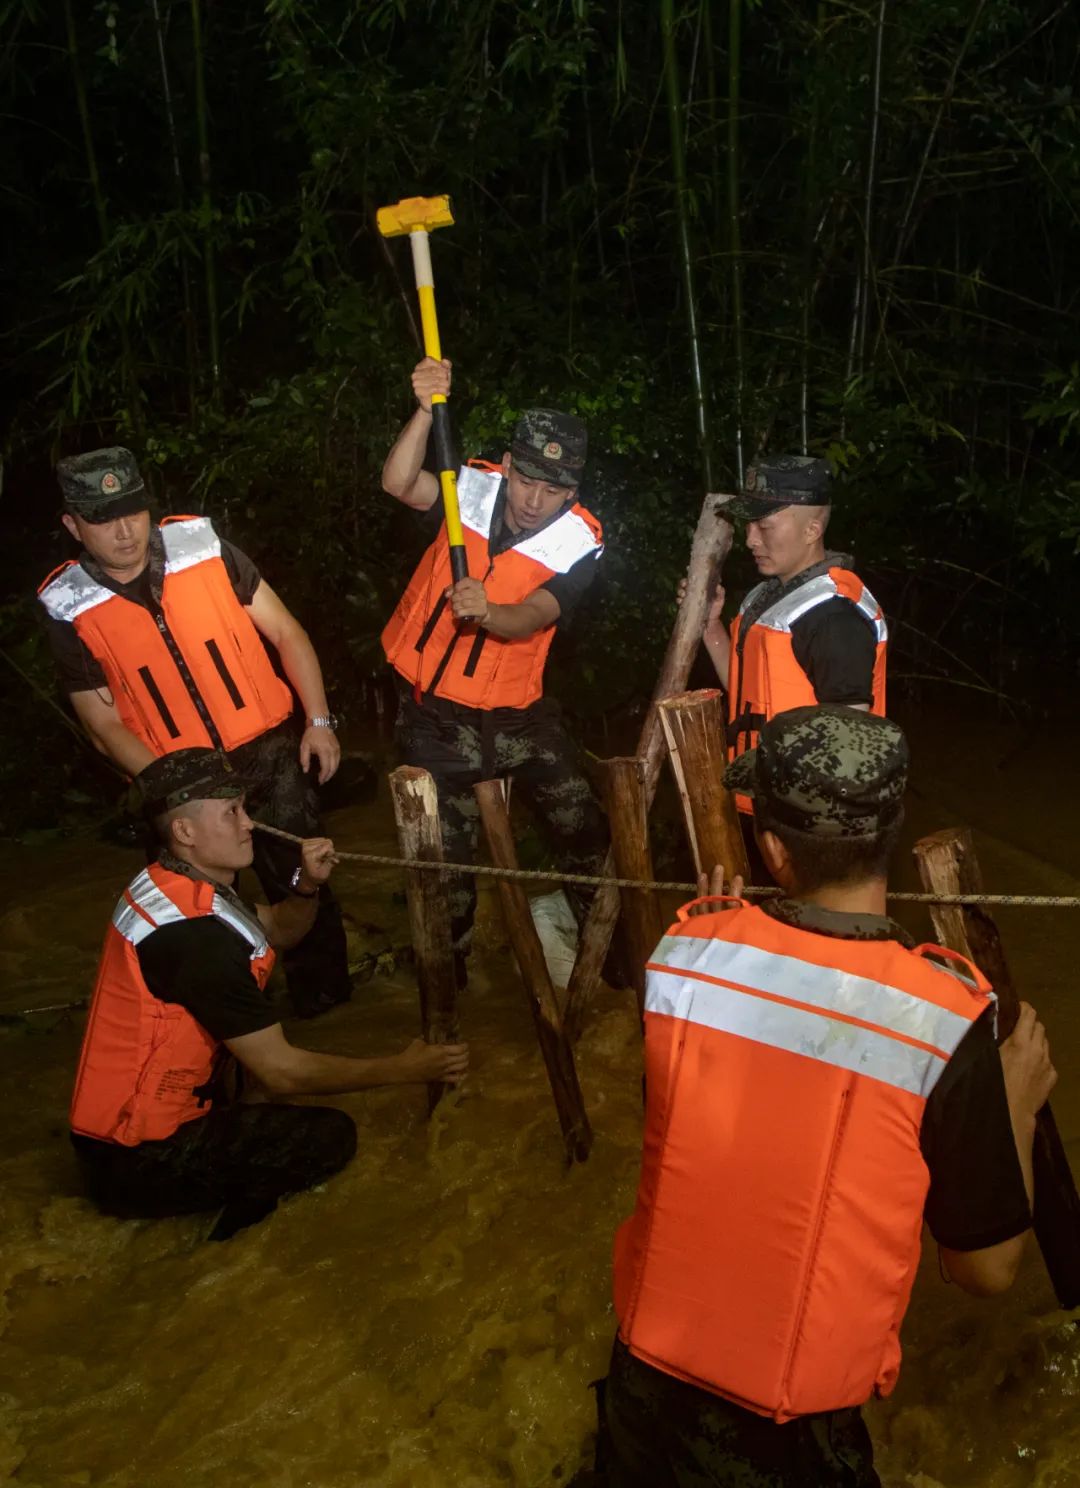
x=880 y=206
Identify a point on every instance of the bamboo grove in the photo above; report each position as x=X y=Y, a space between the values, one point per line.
x=841 y=226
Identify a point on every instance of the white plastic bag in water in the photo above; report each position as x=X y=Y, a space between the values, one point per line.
x=558 y=932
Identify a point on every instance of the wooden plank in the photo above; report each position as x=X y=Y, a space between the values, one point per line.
x=641 y=911
x=416 y=811
x=693 y=724
x=948 y=864
x=555 y=1046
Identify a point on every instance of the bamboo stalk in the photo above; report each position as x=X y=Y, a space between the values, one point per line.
x=693 y=725
x=101 y=210
x=555 y=1046
x=178 y=185
x=711 y=545
x=213 y=325
x=416 y=811
x=628 y=814
x=871 y=178
x=734 y=228
x=682 y=221
x=948 y=864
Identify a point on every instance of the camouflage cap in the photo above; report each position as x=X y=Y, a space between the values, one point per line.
x=183 y=776
x=102 y=484
x=828 y=770
x=550 y=446
x=786 y=480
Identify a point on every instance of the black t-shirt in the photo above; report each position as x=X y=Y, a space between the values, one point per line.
x=81 y=672
x=205 y=967
x=977 y=1195
x=568 y=588
x=836 y=647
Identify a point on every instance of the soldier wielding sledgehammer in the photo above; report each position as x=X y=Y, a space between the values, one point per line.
x=469 y=656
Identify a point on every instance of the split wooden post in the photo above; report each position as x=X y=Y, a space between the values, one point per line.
x=948 y=864
x=711 y=545
x=555 y=1047
x=628 y=814
x=416 y=811
x=693 y=724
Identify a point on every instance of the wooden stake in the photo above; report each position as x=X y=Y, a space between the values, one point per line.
x=641 y=911
x=948 y=864
x=711 y=545
x=554 y=1045
x=416 y=811
x=693 y=725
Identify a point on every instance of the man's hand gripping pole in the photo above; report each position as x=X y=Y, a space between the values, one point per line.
x=418 y=216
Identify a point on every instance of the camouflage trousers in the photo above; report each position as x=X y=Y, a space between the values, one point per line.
x=660 y=1432
x=461 y=746
x=316 y=970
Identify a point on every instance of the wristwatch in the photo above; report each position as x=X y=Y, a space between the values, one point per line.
x=294 y=886
x=323 y=720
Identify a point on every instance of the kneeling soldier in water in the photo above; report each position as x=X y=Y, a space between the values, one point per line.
x=470 y=656
x=817 y=1085
x=179 y=1002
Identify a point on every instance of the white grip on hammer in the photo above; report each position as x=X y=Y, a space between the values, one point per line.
x=421 y=257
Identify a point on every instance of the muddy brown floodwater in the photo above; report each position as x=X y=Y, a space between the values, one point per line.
x=432 y=1317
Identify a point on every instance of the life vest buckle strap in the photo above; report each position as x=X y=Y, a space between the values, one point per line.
x=687 y=909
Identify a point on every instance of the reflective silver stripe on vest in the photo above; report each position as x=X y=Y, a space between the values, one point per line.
x=157 y=910
x=249 y=926
x=816 y=1029
x=476 y=491
x=806 y=597
x=73 y=592
x=189 y=542
x=562 y=544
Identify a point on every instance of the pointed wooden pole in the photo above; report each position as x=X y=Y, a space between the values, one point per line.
x=711 y=545
x=416 y=811
x=693 y=724
x=628 y=814
x=948 y=864
x=555 y=1047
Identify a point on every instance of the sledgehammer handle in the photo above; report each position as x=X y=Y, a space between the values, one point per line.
x=440 y=414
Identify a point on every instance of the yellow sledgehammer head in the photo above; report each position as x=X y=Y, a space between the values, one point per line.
x=415 y=213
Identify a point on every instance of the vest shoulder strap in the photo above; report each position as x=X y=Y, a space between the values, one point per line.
x=69 y=591
x=188 y=540
x=477 y=490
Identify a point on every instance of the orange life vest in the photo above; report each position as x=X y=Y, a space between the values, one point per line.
x=146 y=1065
x=772 y=1251
x=765 y=679
x=465 y=662
x=198 y=674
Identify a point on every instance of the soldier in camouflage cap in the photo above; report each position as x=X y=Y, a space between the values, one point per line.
x=102 y=485
x=810 y=631
x=827 y=771
x=470 y=653
x=809 y=1124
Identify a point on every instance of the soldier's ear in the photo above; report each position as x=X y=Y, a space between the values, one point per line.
x=69 y=522
x=777 y=860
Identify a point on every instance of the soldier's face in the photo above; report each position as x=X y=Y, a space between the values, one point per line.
x=220 y=835
x=529 y=502
x=784 y=542
x=120 y=546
